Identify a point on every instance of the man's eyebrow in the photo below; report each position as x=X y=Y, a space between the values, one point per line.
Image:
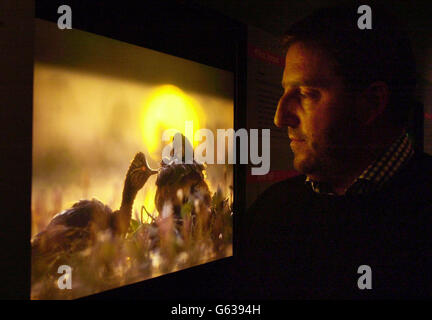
x=306 y=83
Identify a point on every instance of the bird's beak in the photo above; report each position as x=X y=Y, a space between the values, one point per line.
x=150 y=171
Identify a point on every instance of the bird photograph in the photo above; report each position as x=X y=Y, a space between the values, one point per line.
x=117 y=217
x=108 y=248
x=104 y=204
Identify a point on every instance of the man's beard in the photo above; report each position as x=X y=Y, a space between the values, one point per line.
x=325 y=157
x=314 y=161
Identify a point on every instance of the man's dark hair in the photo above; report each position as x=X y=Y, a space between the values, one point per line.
x=382 y=53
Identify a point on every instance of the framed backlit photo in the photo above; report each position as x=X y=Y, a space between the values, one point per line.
x=106 y=210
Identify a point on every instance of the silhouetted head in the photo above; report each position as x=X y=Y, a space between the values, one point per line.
x=347 y=92
x=139 y=171
x=179 y=182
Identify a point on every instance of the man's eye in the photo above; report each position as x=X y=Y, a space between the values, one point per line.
x=311 y=94
x=302 y=94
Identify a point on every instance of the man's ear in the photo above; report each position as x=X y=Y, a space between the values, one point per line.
x=375 y=99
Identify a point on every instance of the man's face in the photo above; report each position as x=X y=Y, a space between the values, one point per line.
x=316 y=108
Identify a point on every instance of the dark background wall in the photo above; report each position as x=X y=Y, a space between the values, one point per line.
x=16 y=84
x=274 y=16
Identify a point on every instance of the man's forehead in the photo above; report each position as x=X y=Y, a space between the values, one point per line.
x=306 y=65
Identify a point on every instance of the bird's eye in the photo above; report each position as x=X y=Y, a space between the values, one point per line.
x=193 y=187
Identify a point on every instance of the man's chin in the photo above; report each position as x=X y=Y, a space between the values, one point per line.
x=317 y=168
x=301 y=165
x=305 y=165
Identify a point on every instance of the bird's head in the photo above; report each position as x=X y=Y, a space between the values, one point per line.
x=139 y=171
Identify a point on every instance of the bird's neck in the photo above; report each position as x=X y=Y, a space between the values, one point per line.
x=125 y=212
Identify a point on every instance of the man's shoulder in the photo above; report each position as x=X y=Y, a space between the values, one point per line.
x=423 y=159
x=417 y=175
x=420 y=180
x=284 y=188
x=426 y=162
x=268 y=212
x=292 y=190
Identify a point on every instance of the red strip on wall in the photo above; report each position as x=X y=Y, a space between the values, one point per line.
x=272 y=176
x=265 y=55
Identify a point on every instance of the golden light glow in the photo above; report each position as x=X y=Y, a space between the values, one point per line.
x=168 y=107
x=149 y=204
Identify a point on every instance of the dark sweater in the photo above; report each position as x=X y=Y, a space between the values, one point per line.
x=294 y=243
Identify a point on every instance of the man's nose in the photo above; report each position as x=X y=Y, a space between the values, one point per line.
x=285 y=112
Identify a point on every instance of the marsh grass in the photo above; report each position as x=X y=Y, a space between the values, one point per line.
x=149 y=249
